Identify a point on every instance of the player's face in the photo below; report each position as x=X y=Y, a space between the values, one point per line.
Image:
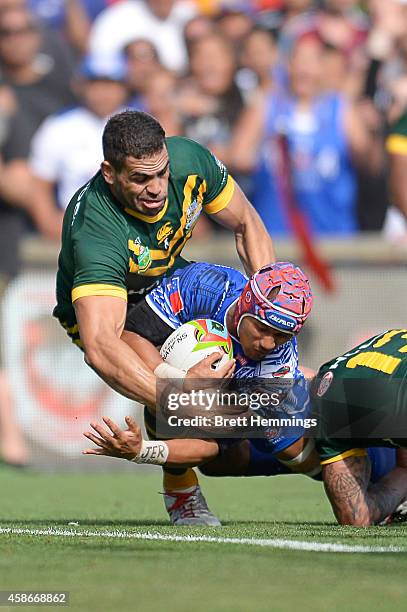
x=258 y=339
x=141 y=184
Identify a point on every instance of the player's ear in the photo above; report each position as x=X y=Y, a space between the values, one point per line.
x=108 y=172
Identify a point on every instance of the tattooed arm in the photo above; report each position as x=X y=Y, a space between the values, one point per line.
x=356 y=503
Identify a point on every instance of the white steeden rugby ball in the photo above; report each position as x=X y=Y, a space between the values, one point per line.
x=194 y=341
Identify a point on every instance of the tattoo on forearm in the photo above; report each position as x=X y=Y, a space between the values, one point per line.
x=353 y=500
x=346 y=485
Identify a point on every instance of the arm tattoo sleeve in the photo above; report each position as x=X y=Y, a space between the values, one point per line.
x=346 y=485
x=353 y=501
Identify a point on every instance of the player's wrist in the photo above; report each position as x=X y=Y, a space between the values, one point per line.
x=166 y=371
x=153 y=452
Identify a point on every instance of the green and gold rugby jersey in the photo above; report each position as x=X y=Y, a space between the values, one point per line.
x=368 y=382
x=397 y=139
x=111 y=250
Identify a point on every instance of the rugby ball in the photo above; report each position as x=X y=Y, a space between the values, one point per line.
x=194 y=341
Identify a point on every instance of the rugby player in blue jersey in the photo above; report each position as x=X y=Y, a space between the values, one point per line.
x=263 y=316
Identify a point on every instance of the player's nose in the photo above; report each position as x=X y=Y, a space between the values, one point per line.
x=155 y=187
x=267 y=343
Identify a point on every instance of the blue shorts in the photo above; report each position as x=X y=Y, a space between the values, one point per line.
x=264 y=463
x=383 y=460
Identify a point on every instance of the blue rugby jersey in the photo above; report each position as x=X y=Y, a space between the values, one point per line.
x=203 y=290
x=207 y=291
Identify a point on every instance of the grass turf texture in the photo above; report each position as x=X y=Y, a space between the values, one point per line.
x=124 y=574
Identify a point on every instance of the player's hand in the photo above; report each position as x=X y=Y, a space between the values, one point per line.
x=203 y=374
x=125 y=444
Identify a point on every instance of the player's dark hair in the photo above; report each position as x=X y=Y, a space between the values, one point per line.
x=131 y=133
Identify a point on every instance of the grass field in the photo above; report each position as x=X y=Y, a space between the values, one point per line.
x=124 y=573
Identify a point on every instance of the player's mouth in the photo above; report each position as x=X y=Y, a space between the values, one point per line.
x=153 y=205
x=257 y=355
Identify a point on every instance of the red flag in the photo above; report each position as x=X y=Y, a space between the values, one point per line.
x=298 y=220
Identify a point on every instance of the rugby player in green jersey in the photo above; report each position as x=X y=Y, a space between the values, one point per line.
x=364 y=393
x=361 y=395
x=126 y=228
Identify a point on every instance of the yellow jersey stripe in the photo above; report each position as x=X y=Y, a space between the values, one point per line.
x=98 y=289
x=222 y=199
x=353 y=452
x=146 y=218
x=70 y=330
x=188 y=189
x=160 y=270
x=397 y=144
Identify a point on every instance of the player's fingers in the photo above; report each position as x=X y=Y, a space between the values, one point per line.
x=102 y=433
x=114 y=428
x=95 y=439
x=212 y=358
x=227 y=369
x=132 y=425
x=93 y=451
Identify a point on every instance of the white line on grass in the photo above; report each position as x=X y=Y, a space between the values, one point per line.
x=155 y=536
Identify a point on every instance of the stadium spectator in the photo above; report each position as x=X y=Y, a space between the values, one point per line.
x=40 y=84
x=396 y=222
x=257 y=60
x=339 y=23
x=161 y=101
x=67 y=147
x=325 y=137
x=160 y=21
x=234 y=21
x=142 y=65
x=70 y=18
x=209 y=100
x=197 y=27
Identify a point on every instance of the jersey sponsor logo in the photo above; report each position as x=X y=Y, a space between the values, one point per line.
x=193 y=212
x=164 y=232
x=175 y=296
x=283 y=322
x=325 y=383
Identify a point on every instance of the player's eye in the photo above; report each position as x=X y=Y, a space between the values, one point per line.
x=163 y=171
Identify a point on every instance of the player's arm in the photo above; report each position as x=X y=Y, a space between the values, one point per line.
x=301 y=458
x=101 y=322
x=111 y=441
x=253 y=242
x=226 y=203
x=201 y=371
x=44 y=208
x=356 y=503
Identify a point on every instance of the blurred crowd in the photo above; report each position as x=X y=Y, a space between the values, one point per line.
x=309 y=94
x=308 y=88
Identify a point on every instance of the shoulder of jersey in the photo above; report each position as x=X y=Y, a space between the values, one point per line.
x=183 y=154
